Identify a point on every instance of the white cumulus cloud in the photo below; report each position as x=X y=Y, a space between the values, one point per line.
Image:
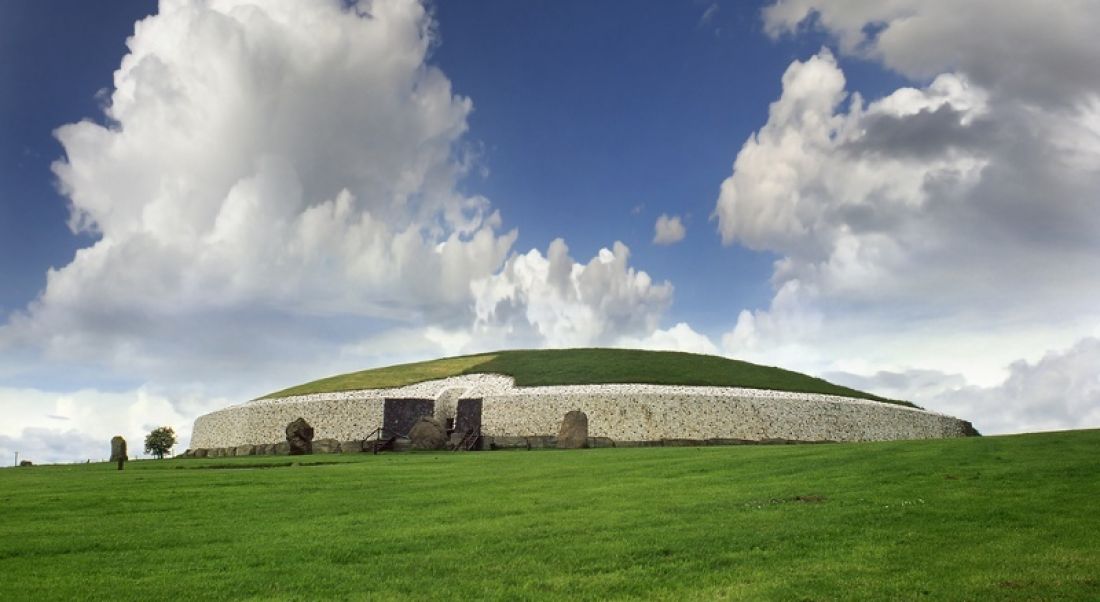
x=297 y=157
x=948 y=228
x=930 y=205
x=267 y=164
x=566 y=303
x=668 y=230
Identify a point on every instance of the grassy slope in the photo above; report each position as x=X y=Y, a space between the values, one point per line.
x=998 y=518
x=390 y=376
x=586 y=367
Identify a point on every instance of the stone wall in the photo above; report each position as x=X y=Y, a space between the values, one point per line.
x=257 y=423
x=709 y=414
x=627 y=413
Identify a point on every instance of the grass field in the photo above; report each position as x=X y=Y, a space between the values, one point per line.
x=997 y=518
x=587 y=367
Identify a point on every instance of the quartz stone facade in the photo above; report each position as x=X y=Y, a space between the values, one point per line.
x=616 y=413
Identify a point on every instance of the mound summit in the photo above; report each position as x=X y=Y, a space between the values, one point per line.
x=519 y=398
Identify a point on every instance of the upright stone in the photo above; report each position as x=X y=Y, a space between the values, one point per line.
x=428 y=433
x=573 y=433
x=299 y=435
x=118 y=451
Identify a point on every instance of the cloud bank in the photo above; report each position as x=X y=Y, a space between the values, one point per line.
x=950 y=226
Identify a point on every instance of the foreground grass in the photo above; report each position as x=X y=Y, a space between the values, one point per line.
x=1001 y=518
x=587 y=367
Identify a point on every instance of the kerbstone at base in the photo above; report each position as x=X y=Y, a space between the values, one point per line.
x=351 y=447
x=326 y=446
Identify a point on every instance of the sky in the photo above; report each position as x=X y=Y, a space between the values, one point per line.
x=202 y=201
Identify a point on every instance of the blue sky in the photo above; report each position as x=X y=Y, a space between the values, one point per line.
x=866 y=193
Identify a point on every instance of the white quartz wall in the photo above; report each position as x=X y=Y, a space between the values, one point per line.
x=256 y=423
x=653 y=416
x=619 y=412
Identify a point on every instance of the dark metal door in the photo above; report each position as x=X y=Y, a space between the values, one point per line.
x=399 y=415
x=468 y=415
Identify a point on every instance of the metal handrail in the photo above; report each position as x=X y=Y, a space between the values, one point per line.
x=468 y=440
x=380 y=441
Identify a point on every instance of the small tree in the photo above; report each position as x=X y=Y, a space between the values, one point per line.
x=160 y=441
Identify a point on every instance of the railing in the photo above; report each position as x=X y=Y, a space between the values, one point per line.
x=469 y=440
x=379 y=442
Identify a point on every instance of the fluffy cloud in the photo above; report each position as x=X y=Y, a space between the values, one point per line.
x=939 y=233
x=668 y=230
x=1059 y=391
x=294 y=157
x=680 y=337
x=1040 y=52
x=905 y=195
x=283 y=166
x=564 y=303
x=930 y=202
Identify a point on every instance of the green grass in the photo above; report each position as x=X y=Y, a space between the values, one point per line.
x=390 y=376
x=587 y=367
x=986 y=518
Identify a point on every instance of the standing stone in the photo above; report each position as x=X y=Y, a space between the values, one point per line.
x=299 y=434
x=573 y=433
x=428 y=433
x=118 y=450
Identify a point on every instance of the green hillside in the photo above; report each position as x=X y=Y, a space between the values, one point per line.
x=981 y=518
x=587 y=367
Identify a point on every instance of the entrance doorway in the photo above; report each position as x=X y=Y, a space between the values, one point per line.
x=399 y=415
x=468 y=419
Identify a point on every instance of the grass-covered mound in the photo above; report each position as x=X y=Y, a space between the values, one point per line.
x=586 y=367
x=983 y=518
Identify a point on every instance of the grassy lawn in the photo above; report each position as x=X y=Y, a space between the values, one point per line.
x=998 y=518
x=587 y=367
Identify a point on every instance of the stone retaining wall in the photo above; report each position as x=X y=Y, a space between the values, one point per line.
x=617 y=413
x=656 y=416
x=258 y=423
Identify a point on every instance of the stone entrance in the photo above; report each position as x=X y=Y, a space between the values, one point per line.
x=468 y=415
x=467 y=420
x=399 y=415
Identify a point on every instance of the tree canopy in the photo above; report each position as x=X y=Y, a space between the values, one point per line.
x=160 y=441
